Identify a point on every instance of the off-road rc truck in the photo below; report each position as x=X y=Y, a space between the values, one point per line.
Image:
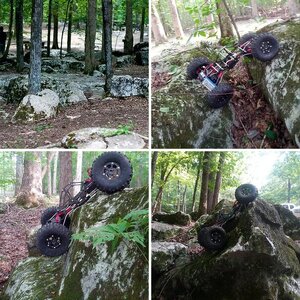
x=111 y=172
x=263 y=47
x=213 y=236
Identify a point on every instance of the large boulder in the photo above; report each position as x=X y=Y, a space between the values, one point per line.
x=181 y=117
x=37 y=107
x=291 y=224
x=258 y=262
x=165 y=254
x=178 y=218
x=142 y=57
x=126 y=86
x=161 y=231
x=88 y=272
x=280 y=78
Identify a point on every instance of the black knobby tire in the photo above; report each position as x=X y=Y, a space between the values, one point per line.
x=245 y=38
x=220 y=95
x=264 y=47
x=195 y=66
x=212 y=238
x=53 y=239
x=111 y=172
x=246 y=193
x=50 y=212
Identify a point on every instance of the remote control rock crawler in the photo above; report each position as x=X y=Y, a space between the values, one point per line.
x=263 y=47
x=214 y=237
x=111 y=172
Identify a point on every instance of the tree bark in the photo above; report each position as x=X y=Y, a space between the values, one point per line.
x=218 y=179
x=65 y=172
x=19 y=35
x=200 y=156
x=142 y=26
x=204 y=184
x=55 y=25
x=107 y=27
x=36 y=48
x=224 y=20
x=254 y=8
x=49 y=186
x=153 y=166
x=30 y=194
x=19 y=171
x=157 y=27
x=49 y=27
x=10 y=33
x=175 y=18
x=184 y=199
x=128 y=41
x=78 y=170
x=90 y=37
x=54 y=178
x=289 y=190
x=70 y=24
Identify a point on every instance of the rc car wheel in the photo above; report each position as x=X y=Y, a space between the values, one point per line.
x=264 y=47
x=245 y=38
x=50 y=212
x=53 y=239
x=246 y=193
x=220 y=95
x=212 y=238
x=111 y=172
x=195 y=66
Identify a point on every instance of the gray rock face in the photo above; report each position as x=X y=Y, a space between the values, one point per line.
x=161 y=231
x=142 y=57
x=31 y=242
x=126 y=86
x=181 y=116
x=124 y=60
x=178 y=218
x=291 y=224
x=102 y=138
x=261 y=261
x=3 y=208
x=37 y=107
x=164 y=255
x=280 y=78
x=86 y=272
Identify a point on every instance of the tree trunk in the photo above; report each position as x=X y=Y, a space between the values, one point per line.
x=153 y=166
x=70 y=24
x=157 y=27
x=210 y=193
x=204 y=184
x=224 y=20
x=184 y=199
x=30 y=194
x=289 y=190
x=19 y=171
x=36 y=48
x=142 y=26
x=54 y=178
x=200 y=156
x=49 y=187
x=107 y=27
x=10 y=33
x=65 y=172
x=128 y=41
x=254 y=8
x=90 y=36
x=55 y=25
x=218 y=179
x=78 y=171
x=49 y=27
x=293 y=7
x=176 y=21
x=19 y=35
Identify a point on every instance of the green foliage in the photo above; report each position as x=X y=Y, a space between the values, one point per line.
x=132 y=228
x=121 y=129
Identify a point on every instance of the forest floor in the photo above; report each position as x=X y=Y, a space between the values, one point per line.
x=15 y=224
x=93 y=113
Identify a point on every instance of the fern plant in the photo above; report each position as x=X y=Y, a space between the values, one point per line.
x=132 y=228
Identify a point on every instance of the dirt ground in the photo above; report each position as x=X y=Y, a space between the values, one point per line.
x=14 y=226
x=96 y=113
